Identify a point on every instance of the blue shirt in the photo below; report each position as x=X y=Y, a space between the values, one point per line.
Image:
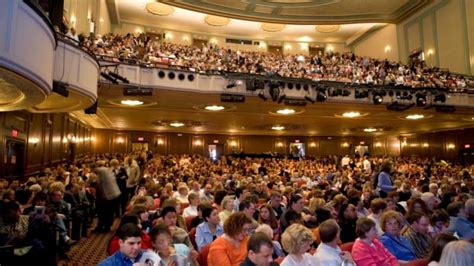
x=118 y=259
x=462 y=227
x=204 y=235
x=400 y=247
x=384 y=182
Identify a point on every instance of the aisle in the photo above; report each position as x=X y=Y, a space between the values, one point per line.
x=91 y=250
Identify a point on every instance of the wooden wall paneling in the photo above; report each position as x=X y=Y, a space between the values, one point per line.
x=281 y=145
x=312 y=148
x=47 y=139
x=161 y=144
x=328 y=146
x=257 y=144
x=34 y=149
x=199 y=144
x=120 y=142
x=233 y=145
x=180 y=143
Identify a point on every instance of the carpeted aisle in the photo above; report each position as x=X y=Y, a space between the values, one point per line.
x=91 y=250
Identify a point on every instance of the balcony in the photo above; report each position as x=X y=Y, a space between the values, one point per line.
x=27 y=47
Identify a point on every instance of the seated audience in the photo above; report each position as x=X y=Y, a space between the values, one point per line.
x=459 y=222
x=437 y=249
x=129 y=252
x=417 y=233
x=267 y=230
x=377 y=206
x=231 y=247
x=209 y=229
x=398 y=245
x=260 y=249
x=267 y=216
x=114 y=243
x=169 y=252
x=227 y=208
x=296 y=240
x=347 y=222
x=367 y=250
x=191 y=210
x=328 y=252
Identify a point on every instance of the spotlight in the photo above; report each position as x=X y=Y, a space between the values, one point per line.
x=440 y=97
x=420 y=100
x=377 y=99
x=309 y=99
x=121 y=78
x=321 y=97
x=262 y=96
x=108 y=77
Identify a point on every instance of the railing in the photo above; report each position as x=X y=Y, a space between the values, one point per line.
x=33 y=5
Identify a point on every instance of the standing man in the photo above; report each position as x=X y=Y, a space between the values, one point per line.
x=107 y=197
x=121 y=178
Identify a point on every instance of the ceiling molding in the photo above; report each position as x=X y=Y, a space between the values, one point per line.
x=304 y=12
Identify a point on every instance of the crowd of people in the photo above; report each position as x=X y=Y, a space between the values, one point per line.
x=190 y=210
x=342 y=67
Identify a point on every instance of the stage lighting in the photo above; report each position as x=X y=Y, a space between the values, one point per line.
x=377 y=99
x=108 y=77
x=420 y=100
x=121 y=78
x=321 y=96
x=440 y=97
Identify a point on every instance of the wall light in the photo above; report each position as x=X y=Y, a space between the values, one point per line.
x=73 y=20
x=160 y=142
x=426 y=145
x=288 y=47
x=120 y=140
x=430 y=52
x=387 y=48
x=312 y=144
x=451 y=146
x=198 y=142
x=378 y=144
x=279 y=144
x=345 y=144
x=233 y=143
x=34 y=141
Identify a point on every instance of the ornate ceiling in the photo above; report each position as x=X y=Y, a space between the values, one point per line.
x=309 y=12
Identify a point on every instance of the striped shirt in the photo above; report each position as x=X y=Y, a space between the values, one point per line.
x=421 y=243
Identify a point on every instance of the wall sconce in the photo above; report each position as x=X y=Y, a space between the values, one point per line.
x=426 y=145
x=378 y=144
x=159 y=142
x=345 y=144
x=279 y=144
x=198 y=142
x=34 y=141
x=451 y=146
x=312 y=144
x=73 y=20
x=233 y=143
x=120 y=140
x=93 y=139
x=404 y=143
x=288 y=47
x=387 y=48
x=430 y=52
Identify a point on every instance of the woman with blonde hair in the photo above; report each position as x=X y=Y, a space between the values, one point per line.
x=296 y=240
x=459 y=253
x=227 y=206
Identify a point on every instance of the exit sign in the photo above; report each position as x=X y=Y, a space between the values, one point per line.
x=140 y=139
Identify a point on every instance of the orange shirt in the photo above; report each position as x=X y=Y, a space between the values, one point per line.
x=223 y=252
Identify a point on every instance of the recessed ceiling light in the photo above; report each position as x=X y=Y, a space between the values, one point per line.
x=351 y=114
x=370 y=129
x=415 y=116
x=214 y=107
x=278 y=127
x=177 y=124
x=131 y=102
x=286 y=111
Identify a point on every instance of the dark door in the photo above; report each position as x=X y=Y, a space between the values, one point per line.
x=466 y=156
x=15 y=159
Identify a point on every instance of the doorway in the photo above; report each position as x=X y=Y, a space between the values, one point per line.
x=215 y=151
x=361 y=150
x=275 y=49
x=466 y=156
x=316 y=50
x=14 y=159
x=139 y=146
x=297 y=150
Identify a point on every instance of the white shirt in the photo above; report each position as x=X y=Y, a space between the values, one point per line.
x=377 y=224
x=328 y=256
x=308 y=260
x=190 y=211
x=367 y=166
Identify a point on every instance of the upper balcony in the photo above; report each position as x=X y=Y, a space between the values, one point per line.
x=76 y=72
x=27 y=47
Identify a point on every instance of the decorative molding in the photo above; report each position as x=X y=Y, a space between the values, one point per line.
x=216 y=21
x=327 y=28
x=272 y=27
x=159 y=9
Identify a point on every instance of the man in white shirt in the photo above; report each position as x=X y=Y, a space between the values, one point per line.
x=366 y=165
x=328 y=252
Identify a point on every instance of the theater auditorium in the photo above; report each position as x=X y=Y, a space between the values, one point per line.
x=237 y=132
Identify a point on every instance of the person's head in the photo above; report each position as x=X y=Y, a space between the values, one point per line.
x=297 y=202
x=438 y=245
x=208 y=188
x=241 y=192
x=260 y=249
x=247 y=207
x=455 y=209
x=267 y=214
x=10 y=212
x=469 y=209
x=365 y=228
x=114 y=163
x=266 y=229
x=378 y=205
x=440 y=219
x=56 y=196
x=275 y=199
x=419 y=222
x=347 y=212
x=193 y=199
x=390 y=222
x=169 y=216
x=141 y=212
x=386 y=166
x=160 y=236
x=292 y=217
x=329 y=231
x=227 y=203
x=434 y=188
x=237 y=226
x=40 y=199
x=459 y=253
x=210 y=215
x=129 y=240
x=430 y=200
x=417 y=205
x=297 y=239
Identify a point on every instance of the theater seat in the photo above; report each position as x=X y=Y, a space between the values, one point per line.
x=279 y=260
x=418 y=262
x=188 y=221
x=202 y=257
x=347 y=246
x=192 y=237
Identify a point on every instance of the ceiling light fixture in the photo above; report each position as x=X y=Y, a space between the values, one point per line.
x=214 y=108
x=414 y=116
x=177 y=124
x=286 y=111
x=278 y=128
x=370 y=129
x=131 y=102
x=351 y=114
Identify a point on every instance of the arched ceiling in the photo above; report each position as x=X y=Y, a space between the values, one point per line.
x=308 y=12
